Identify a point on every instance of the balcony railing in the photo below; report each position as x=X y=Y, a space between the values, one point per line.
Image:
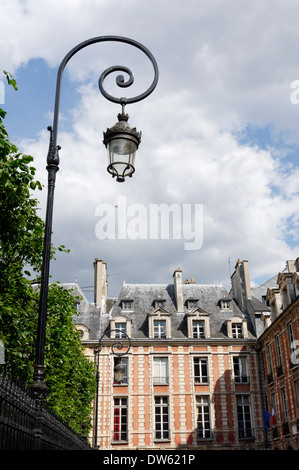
x=275 y=433
x=160 y=380
x=204 y=434
x=201 y=379
x=241 y=379
x=125 y=381
x=246 y=433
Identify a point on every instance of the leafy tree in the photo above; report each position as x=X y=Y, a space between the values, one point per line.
x=69 y=374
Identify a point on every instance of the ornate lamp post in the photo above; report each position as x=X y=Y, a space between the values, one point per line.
x=121 y=141
x=118 y=348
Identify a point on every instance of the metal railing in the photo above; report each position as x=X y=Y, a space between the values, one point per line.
x=28 y=424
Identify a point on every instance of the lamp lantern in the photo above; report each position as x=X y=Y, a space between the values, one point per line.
x=122 y=141
x=119 y=372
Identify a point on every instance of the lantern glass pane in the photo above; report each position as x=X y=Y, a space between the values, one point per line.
x=122 y=154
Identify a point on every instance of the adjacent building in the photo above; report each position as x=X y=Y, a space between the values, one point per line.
x=274 y=310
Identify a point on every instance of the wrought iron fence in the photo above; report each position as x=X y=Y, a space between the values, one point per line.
x=26 y=423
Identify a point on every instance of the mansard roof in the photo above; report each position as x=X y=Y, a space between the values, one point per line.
x=144 y=295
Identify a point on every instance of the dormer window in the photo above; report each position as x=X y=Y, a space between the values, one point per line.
x=225 y=304
x=120 y=327
x=159 y=328
x=237 y=331
x=160 y=303
x=159 y=324
x=127 y=304
x=83 y=331
x=237 y=327
x=198 y=324
x=198 y=329
x=192 y=303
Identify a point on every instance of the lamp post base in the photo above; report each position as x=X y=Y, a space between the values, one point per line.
x=39 y=386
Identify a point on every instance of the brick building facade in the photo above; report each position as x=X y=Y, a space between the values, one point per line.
x=204 y=368
x=192 y=376
x=280 y=349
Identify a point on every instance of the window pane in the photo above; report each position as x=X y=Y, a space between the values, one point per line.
x=201 y=370
x=161 y=370
x=161 y=418
x=120 y=329
x=159 y=328
x=198 y=329
x=120 y=419
x=203 y=417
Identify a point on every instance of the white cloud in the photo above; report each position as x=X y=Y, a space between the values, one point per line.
x=223 y=65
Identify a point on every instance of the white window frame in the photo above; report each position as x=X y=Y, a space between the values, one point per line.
x=160 y=370
x=161 y=411
x=203 y=417
x=201 y=363
x=120 y=435
x=240 y=367
x=198 y=315
x=159 y=315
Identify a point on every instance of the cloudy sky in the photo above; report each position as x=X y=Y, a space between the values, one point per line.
x=220 y=133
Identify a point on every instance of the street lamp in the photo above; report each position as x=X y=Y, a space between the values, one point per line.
x=121 y=141
x=118 y=348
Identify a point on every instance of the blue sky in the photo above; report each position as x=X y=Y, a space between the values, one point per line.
x=220 y=130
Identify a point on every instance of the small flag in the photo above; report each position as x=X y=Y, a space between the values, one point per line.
x=267 y=417
x=273 y=417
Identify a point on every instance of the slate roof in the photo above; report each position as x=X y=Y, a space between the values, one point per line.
x=144 y=295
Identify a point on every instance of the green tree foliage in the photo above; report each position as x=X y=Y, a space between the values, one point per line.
x=69 y=374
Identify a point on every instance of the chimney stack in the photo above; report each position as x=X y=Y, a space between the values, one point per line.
x=100 y=284
x=178 y=289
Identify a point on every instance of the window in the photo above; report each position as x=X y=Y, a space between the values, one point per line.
x=123 y=363
x=244 y=416
x=237 y=330
x=269 y=364
x=198 y=329
x=273 y=422
x=191 y=304
x=120 y=420
x=198 y=324
x=291 y=336
x=159 y=303
x=160 y=376
x=268 y=355
x=240 y=369
x=120 y=328
x=161 y=418
x=200 y=370
x=284 y=406
x=237 y=327
x=225 y=304
x=159 y=328
x=159 y=324
x=297 y=395
x=126 y=304
x=203 y=417
x=83 y=331
x=279 y=356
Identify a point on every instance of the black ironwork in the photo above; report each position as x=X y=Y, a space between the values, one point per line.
x=39 y=384
x=117 y=347
x=28 y=424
